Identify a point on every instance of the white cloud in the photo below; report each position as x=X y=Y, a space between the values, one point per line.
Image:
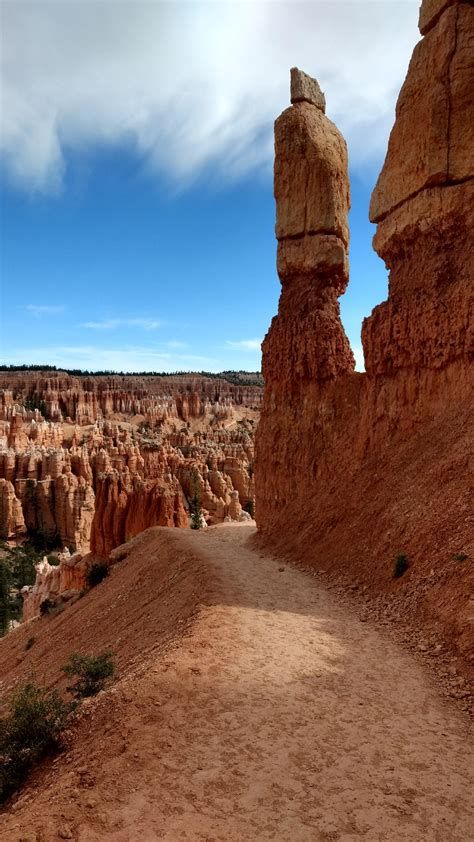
x=174 y=343
x=44 y=309
x=191 y=85
x=245 y=344
x=359 y=358
x=112 y=324
x=130 y=358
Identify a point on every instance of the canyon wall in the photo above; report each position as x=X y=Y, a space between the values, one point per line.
x=355 y=468
x=91 y=487
x=86 y=399
x=114 y=480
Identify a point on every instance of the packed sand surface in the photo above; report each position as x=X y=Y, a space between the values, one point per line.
x=275 y=714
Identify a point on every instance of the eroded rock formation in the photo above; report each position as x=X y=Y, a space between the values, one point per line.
x=12 y=522
x=354 y=468
x=84 y=400
x=58 y=583
x=423 y=204
x=126 y=505
x=306 y=348
x=92 y=487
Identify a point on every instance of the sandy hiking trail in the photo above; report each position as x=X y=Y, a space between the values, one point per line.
x=279 y=716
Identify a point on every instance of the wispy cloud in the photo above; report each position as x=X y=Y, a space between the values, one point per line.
x=44 y=309
x=174 y=343
x=245 y=344
x=223 y=77
x=112 y=324
x=359 y=358
x=129 y=358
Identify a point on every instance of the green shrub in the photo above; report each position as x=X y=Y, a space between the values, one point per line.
x=96 y=573
x=33 y=402
x=31 y=730
x=29 y=642
x=5 y=597
x=17 y=568
x=195 y=502
x=22 y=561
x=250 y=508
x=401 y=565
x=93 y=673
x=461 y=557
x=46 y=606
x=44 y=540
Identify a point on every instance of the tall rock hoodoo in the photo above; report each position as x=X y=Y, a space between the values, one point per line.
x=352 y=469
x=306 y=348
x=306 y=341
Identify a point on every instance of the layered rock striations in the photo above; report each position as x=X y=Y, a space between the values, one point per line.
x=352 y=468
x=12 y=522
x=306 y=348
x=58 y=583
x=423 y=204
x=87 y=399
x=91 y=488
x=126 y=505
x=57 y=491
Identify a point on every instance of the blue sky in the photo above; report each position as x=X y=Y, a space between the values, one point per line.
x=137 y=211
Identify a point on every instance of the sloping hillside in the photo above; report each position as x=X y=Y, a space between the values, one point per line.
x=144 y=604
x=411 y=499
x=278 y=716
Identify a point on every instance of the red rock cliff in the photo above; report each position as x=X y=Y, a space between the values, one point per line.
x=126 y=505
x=351 y=468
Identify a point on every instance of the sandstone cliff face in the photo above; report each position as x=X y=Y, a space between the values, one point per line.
x=423 y=203
x=351 y=468
x=306 y=348
x=312 y=199
x=12 y=522
x=127 y=505
x=59 y=583
x=90 y=488
x=85 y=400
x=54 y=476
x=54 y=466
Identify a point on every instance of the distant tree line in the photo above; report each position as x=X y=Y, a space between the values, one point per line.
x=239 y=378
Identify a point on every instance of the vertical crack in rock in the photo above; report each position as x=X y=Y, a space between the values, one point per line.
x=450 y=70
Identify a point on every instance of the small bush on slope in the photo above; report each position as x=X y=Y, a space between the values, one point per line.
x=401 y=565
x=93 y=673
x=96 y=573
x=31 y=730
x=45 y=606
x=250 y=508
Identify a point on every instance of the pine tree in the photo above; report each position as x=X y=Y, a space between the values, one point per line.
x=4 y=598
x=195 y=502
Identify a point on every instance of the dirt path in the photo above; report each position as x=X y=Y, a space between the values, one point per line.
x=280 y=717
